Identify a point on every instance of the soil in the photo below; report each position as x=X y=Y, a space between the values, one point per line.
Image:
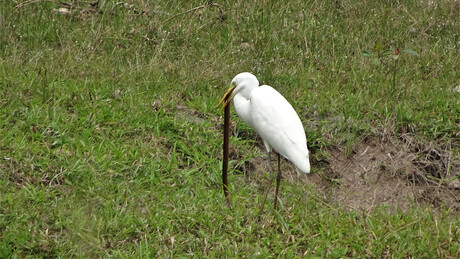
x=381 y=170
x=393 y=172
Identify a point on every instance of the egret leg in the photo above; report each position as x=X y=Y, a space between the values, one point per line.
x=261 y=209
x=278 y=180
x=269 y=162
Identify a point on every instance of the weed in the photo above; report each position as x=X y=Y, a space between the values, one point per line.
x=110 y=140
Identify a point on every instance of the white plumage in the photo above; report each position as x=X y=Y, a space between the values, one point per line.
x=272 y=117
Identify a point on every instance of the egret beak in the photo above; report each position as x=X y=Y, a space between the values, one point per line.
x=227 y=97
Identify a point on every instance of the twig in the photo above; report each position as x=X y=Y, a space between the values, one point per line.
x=197 y=8
x=101 y=4
x=57 y=175
x=32 y=2
x=72 y=4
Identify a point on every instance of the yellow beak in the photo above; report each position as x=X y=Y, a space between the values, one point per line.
x=227 y=98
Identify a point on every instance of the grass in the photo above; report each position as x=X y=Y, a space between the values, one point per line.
x=110 y=141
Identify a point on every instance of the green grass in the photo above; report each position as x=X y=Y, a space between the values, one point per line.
x=86 y=173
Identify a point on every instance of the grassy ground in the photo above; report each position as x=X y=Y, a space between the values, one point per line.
x=110 y=141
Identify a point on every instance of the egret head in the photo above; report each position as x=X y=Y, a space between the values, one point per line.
x=243 y=82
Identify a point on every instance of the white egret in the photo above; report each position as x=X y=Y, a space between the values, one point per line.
x=273 y=118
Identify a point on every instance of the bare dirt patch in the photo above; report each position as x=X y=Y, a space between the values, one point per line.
x=391 y=171
x=381 y=170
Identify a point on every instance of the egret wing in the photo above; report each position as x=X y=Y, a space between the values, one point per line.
x=276 y=121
